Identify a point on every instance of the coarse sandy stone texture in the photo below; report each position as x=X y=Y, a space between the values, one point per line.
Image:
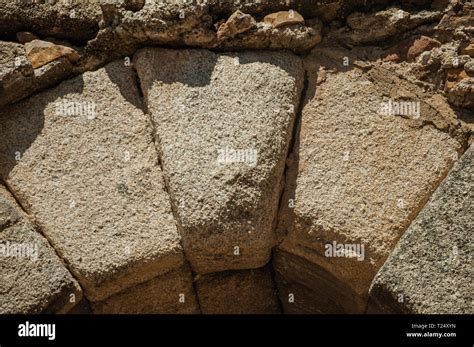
x=80 y=158
x=13 y=64
x=297 y=38
x=359 y=177
x=18 y=79
x=194 y=24
x=238 y=292
x=171 y=293
x=32 y=277
x=51 y=18
x=325 y=9
x=430 y=270
x=16 y=71
x=204 y=106
x=367 y=28
x=236 y=24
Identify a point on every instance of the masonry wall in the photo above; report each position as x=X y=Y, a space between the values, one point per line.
x=223 y=159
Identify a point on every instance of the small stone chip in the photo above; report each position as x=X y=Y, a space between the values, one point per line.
x=238 y=23
x=284 y=18
x=43 y=52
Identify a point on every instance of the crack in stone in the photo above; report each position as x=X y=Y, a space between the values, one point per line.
x=281 y=218
x=288 y=167
x=39 y=229
x=166 y=185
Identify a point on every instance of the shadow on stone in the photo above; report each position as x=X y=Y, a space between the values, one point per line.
x=18 y=130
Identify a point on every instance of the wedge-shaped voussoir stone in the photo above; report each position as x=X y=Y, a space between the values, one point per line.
x=430 y=271
x=171 y=293
x=238 y=292
x=32 y=277
x=224 y=123
x=359 y=175
x=81 y=159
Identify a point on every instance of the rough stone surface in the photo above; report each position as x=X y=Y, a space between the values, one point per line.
x=469 y=67
x=171 y=293
x=238 y=292
x=13 y=63
x=361 y=176
x=412 y=48
x=15 y=71
x=32 y=277
x=462 y=93
x=109 y=31
x=299 y=38
x=325 y=9
x=43 y=52
x=51 y=18
x=81 y=160
x=420 y=45
x=153 y=20
x=457 y=23
x=469 y=50
x=18 y=79
x=430 y=270
x=236 y=24
x=192 y=25
x=284 y=18
x=205 y=105
x=367 y=28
